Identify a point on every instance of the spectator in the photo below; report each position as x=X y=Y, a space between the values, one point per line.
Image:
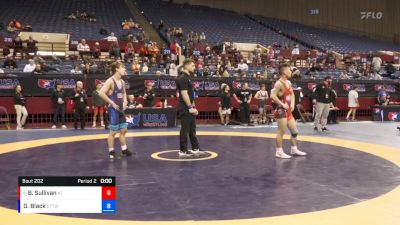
x=383 y=97
x=59 y=99
x=161 y=25
x=98 y=106
x=129 y=52
x=83 y=48
x=136 y=67
x=344 y=76
x=225 y=104
x=145 y=68
x=158 y=73
x=30 y=67
x=353 y=103
x=173 y=70
x=19 y=104
x=149 y=95
x=9 y=63
x=96 y=50
x=377 y=76
x=80 y=99
x=132 y=103
x=242 y=66
x=31 y=46
x=76 y=70
x=115 y=51
x=376 y=63
x=202 y=37
x=295 y=51
x=17 y=45
x=38 y=69
x=112 y=37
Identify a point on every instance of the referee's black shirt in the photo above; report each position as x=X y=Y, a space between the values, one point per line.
x=322 y=94
x=184 y=83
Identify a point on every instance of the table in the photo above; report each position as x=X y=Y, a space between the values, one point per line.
x=150 y=118
x=385 y=113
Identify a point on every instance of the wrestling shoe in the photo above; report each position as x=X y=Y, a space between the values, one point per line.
x=185 y=154
x=282 y=155
x=126 y=152
x=297 y=152
x=111 y=154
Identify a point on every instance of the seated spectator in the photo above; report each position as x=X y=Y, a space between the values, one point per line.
x=89 y=68
x=9 y=63
x=96 y=50
x=242 y=66
x=83 y=48
x=173 y=71
x=31 y=46
x=158 y=73
x=129 y=52
x=377 y=76
x=132 y=103
x=38 y=69
x=115 y=51
x=76 y=70
x=145 y=68
x=14 y=25
x=136 y=67
x=344 y=76
x=295 y=52
x=125 y=25
x=352 y=69
x=17 y=46
x=112 y=37
x=376 y=63
x=30 y=67
x=161 y=25
x=202 y=37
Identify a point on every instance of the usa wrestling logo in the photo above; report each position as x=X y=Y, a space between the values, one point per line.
x=46 y=84
x=394 y=116
x=389 y=88
x=133 y=120
x=8 y=84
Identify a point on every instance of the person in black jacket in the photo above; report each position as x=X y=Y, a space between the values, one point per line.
x=80 y=100
x=59 y=98
x=148 y=95
x=19 y=104
x=333 y=110
x=323 y=103
x=225 y=104
x=9 y=63
x=243 y=97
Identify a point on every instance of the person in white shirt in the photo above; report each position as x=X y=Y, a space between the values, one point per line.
x=111 y=37
x=145 y=68
x=30 y=67
x=173 y=70
x=295 y=51
x=243 y=66
x=202 y=37
x=376 y=63
x=76 y=70
x=83 y=48
x=353 y=103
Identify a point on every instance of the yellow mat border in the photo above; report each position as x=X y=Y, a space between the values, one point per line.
x=383 y=210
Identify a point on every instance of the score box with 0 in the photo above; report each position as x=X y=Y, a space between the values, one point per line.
x=57 y=194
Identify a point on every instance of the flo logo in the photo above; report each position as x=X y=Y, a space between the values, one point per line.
x=49 y=84
x=389 y=88
x=371 y=15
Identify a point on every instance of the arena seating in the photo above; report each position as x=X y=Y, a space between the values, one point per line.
x=218 y=25
x=49 y=16
x=326 y=39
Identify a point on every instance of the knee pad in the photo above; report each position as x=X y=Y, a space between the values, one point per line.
x=294 y=135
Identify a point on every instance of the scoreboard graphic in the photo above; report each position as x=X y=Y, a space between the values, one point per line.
x=51 y=194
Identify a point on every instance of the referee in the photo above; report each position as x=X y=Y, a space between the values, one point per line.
x=187 y=110
x=323 y=100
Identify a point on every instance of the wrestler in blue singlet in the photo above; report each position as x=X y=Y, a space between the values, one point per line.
x=117 y=117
